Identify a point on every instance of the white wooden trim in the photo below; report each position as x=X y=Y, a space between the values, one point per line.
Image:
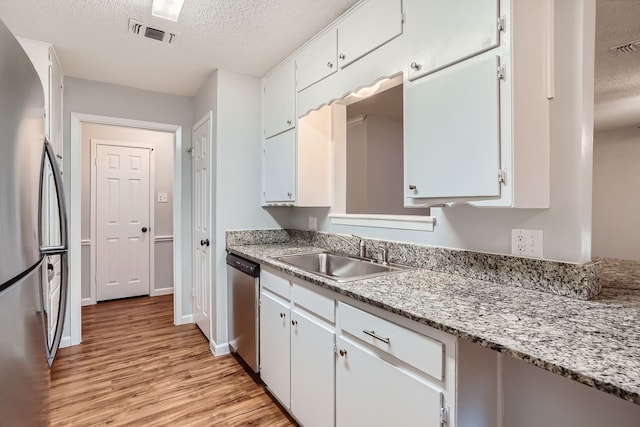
x=88 y=301
x=162 y=239
x=161 y=291
x=73 y=184
x=184 y=320
x=219 y=349
x=65 y=342
x=402 y=222
x=94 y=201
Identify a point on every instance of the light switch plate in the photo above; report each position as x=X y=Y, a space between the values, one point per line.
x=526 y=243
x=163 y=198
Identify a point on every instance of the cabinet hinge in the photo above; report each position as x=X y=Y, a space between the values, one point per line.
x=502 y=176
x=444 y=415
x=502 y=23
x=502 y=72
x=335 y=349
x=403 y=18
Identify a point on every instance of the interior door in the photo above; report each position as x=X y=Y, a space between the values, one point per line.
x=122 y=219
x=201 y=223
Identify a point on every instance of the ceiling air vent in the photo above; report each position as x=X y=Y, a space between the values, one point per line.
x=139 y=28
x=628 y=47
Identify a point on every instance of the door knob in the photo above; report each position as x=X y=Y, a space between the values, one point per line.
x=144 y=229
x=204 y=242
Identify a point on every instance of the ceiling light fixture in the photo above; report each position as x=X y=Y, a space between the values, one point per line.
x=167 y=9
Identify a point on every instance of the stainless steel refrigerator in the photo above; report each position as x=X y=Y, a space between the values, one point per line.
x=33 y=243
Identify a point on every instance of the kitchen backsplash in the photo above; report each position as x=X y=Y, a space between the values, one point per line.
x=581 y=281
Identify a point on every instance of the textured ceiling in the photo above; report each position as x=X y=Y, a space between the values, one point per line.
x=617 y=76
x=243 y=36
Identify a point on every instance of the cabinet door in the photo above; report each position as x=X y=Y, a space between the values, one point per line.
x=274 y=346
x=312 y=371
x=452 y=133
x=318 y=60
x=447 y=31
x=280 y=168
x=373 y=392
x=278 y=106
x=367 y=28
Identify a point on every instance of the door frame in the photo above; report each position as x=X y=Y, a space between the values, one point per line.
x=93 y=234
x=73 y=180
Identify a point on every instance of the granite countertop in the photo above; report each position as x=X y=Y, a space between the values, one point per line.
x=594 y=342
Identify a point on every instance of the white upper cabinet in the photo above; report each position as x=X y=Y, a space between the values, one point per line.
x=452 y=133
x=278 y=107
x=317 y=60
x=443 y=32
x=279 y=166
x=370 y=26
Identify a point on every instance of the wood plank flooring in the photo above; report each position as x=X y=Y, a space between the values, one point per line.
x=136 y=368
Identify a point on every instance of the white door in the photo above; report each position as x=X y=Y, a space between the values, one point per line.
x=122 y=219
x=201 y=223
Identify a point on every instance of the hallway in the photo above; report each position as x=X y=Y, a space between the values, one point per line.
x=136 y=368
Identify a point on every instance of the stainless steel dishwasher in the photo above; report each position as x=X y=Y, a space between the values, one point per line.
x=243 y=278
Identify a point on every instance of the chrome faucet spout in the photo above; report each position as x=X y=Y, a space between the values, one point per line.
x=360 y=247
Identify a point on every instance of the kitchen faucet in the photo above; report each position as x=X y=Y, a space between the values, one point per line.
x=361 y=248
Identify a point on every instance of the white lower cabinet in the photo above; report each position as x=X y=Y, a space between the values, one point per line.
x=312 y=370
x=274 y=346
x=297 y=348
x=335 y=364
x=373 y=392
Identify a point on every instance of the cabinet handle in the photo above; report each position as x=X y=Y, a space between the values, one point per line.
x=288 y=122
x=415 y=66
x=282 y=315
x=374 y=335
x=289 y=195
x=342 y=56
x=412 y=187
x=342 y=352
x=330 y=64
x=294 y=322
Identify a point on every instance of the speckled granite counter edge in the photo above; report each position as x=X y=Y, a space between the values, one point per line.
x=580 y=281
x=598 y=384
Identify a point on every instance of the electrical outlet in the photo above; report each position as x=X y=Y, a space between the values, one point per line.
x=163 y=198
x=313 y=223
x=526 y=243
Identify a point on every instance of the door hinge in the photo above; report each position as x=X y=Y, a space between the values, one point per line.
x=444 y=415
x=502 y=23
x=502 y=176
x=502 y=72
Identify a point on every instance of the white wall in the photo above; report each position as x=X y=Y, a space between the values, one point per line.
x=236 y=102
x=616 y=194
x=567 y=223
x=162 y=142
x=90 y=97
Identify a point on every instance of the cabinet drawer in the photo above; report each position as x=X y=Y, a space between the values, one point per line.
x=314 y=302
x=276 y=284
x=419 y=351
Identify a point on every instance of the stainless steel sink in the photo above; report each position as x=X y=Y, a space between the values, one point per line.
x=341 y=268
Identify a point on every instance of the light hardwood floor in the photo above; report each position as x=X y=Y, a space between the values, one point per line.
x=135 y=368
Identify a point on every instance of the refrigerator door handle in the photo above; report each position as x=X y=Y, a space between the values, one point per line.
x=49 y=155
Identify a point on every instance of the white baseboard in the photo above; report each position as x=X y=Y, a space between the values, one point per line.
x=219 y=349
x=185 y=320
x=87 y=301
x=161 y=291
x=65 y=341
